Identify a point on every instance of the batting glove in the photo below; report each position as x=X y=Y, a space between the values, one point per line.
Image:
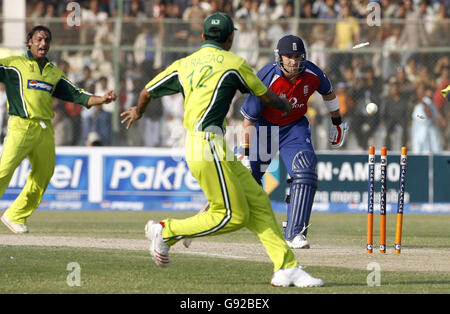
x=337 y=132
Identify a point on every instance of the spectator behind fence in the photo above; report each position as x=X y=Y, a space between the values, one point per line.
x=176 y=34
x=94 y=139
x=425 y=132
x=247 y=34
x=319 y=8
x=244 y=12
x=332 y=11
x=277 y=30
x=254 y=12
x=319 y=43
x=388 y=8
x=62 y=124
x=395 y=113
x=74 y=111
x=425 y=78
x=147 y=46
x=172 y=127
x=345 y=100
x=265 y=9
x=441 y=27
x=104 y=36
x=391 y=57
x=194 y=15
x=136 y=10
x=360 y=8
x=92 y=18
x=154 y=132
x=100 y=122
x=346 y=36
x=368 y=89
x=413 y=34
x=38 y=11
x=306 y=29
x=427 y=16
x=411 y=69
x=50 y=13
x=406 y=87
x=347 y=30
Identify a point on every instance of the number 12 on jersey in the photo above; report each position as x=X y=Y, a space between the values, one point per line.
x=205 y=72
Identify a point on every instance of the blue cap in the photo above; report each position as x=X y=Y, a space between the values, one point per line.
x=291 y=44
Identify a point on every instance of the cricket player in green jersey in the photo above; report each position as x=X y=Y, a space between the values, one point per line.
x=31 y=81
x=208 y=80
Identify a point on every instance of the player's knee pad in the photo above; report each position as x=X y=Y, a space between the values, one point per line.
x=304 y=168
x=302 y=192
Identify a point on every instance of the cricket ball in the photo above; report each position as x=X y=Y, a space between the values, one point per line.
x=371 y=108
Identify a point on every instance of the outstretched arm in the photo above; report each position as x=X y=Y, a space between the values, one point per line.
x=272 y=100
x=135 y=113
x=67 y=91
x=100 y=100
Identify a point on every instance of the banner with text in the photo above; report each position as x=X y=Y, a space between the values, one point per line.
x=114 y=178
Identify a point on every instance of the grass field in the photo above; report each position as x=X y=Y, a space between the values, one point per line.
x=113 y=259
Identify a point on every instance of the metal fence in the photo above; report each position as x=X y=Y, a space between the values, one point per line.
x=402 y=64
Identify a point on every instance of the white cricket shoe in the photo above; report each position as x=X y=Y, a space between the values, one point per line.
x=158 y=249
x=302 y=279
x=298 y=242
x=14 y=227
x=294 y=276
x=283 y=277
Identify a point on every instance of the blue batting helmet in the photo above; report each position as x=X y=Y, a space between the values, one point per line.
x=291 y=44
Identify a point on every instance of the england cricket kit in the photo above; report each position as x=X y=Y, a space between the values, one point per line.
x=30 y=88
x=208 y=80
x=292 y=135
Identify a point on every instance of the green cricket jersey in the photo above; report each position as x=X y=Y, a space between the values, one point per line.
x=208 y=80
x=30 y=87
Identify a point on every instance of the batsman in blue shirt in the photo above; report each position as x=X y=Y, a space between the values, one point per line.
x=294 y=77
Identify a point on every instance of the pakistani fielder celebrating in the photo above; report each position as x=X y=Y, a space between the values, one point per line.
x=208 y=80
x=31 y=81
x=293 y=76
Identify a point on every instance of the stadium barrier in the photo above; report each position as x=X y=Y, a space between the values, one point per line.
x=111 y=178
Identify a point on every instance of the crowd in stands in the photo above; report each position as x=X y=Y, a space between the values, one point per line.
x=404 y=82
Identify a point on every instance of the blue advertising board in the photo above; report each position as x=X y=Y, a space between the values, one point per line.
x=136 y=179
x=343 y=183
x=160 y=182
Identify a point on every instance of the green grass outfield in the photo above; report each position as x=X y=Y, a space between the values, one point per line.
x=337 y=256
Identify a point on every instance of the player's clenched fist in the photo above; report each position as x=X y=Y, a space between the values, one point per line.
x=109 y=96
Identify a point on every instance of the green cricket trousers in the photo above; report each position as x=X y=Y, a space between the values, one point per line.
x=33 y=139
x=236 y=200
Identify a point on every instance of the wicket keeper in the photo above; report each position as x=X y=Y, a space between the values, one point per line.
x=208 y=80
x=31 y=81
